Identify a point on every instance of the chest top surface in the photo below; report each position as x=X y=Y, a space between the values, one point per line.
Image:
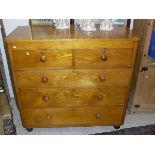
x=47 y=33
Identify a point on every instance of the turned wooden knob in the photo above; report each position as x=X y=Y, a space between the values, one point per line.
x=104 y=57
x=49 y=116
x=101 y=77
x=43 y=59
x=100 y=97
x=98 y=115
x=44 y=79
x=46 y=98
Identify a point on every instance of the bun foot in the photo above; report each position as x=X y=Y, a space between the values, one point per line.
x=29 y=129
x=116 y=126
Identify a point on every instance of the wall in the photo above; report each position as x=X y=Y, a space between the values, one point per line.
x=10 y=25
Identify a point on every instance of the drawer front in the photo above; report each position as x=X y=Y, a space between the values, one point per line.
x=72 y=78
x=103 y=58
x=73 y=44
x=86 y=116
x=42 y=58
x=71 y=97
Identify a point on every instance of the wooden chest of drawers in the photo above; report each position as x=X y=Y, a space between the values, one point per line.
x=71 y=77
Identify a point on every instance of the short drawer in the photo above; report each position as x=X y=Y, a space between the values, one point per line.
x=61 y=97
x=42 y=58
x=100 y=58
x=72 y=78
x=86 y=116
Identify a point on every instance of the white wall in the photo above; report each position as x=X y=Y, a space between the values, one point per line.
x=10 y=25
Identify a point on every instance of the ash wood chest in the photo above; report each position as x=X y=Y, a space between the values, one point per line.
x=71 y=77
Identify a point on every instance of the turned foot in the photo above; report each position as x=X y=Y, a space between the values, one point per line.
x=29 y=129
x=116 y=126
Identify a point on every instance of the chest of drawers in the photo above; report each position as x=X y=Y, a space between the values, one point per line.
x=71 y=77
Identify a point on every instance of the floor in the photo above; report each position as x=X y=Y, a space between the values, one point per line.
x=130 y=121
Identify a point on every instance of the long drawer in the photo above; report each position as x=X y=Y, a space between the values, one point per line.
x=42 y=58
x=72 y=78
x=86 y=116
x=71 y=97
x=100 y=58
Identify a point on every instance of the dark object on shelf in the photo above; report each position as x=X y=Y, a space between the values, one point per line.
x=142 y=130
x=128 y=23
x=72 y=21
x=152 y=45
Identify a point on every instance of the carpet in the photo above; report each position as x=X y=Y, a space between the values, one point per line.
x=142 y=130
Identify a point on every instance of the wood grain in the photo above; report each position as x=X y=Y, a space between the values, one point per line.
x=144 y=109
x=84 y=116
x=32 y=59
x=61 y=97
x=145 y=92
x=142 y=84
x=73 y=44
x=73 y=78
x=61 y=80
x=92 y=58
x=47 y=33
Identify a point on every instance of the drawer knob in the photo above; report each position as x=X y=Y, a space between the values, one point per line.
x=98 y=116
x=104 y=57
x=43 y=59
x=46 y=98
x=49 y=117
x=101 y=77
x=44 y=79
x=100 y=97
